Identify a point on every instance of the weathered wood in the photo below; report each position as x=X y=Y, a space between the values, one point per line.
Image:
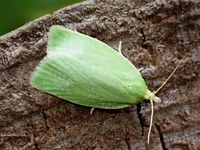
x=155 y=36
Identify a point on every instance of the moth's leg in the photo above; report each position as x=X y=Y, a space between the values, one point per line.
x=91 y=111
x=140 y=69
x=120 y=47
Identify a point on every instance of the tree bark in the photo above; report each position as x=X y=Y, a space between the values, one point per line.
x=155 y=36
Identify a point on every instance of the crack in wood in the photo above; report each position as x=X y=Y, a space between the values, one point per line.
x=140 y=117
x=161 y=137
x=127 y=139
x=45 y=119
x=35 y=143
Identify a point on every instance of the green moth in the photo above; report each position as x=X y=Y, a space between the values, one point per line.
x=86 y=71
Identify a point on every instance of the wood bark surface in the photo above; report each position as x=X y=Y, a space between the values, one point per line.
x=155 y=36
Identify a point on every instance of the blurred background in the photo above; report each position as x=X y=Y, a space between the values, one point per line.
x=15 y=13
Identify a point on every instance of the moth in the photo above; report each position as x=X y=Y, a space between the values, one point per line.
x=88 y=72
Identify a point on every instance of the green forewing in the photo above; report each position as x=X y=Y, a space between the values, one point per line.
x=88 y=72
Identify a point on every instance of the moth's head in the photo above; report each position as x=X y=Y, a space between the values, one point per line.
x=151 y=96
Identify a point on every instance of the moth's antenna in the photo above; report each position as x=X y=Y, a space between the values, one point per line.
x=151 y=101
x=169 y=76
x=151 y=122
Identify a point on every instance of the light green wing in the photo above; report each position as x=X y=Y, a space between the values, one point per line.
x=85 y=71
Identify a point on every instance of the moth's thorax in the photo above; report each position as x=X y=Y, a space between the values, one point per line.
x=136 y=91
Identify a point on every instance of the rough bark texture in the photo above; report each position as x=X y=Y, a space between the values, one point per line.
x=155 y=36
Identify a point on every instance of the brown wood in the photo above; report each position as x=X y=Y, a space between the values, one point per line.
x=155 y=36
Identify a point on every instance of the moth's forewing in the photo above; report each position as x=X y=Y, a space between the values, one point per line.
x=88 y=72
